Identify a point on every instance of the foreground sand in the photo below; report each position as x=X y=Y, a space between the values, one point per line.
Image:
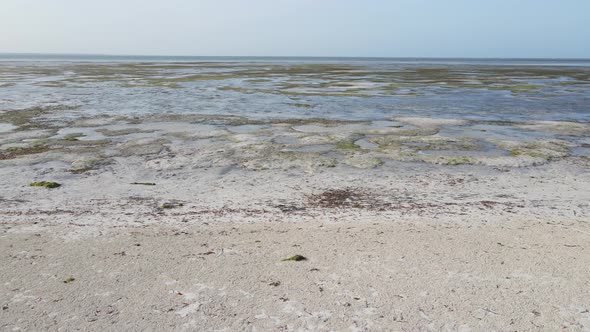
x=405 y=247
x=358 y=277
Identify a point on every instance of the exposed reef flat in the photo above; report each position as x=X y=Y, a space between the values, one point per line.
x=195 y=141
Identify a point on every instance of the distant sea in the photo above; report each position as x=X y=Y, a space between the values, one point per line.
x=304 y=59
x=298 y=87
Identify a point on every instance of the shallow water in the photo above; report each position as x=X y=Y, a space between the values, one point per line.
x=358 y=111
x=257 y=88
x=6 y=127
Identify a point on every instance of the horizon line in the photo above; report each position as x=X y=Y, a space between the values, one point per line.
x=292 y=56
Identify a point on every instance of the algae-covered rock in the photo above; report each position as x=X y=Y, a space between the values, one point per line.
x=347 y=145
x=88 y=164
x=296 y=258
x=15 y=152
x=46 y=184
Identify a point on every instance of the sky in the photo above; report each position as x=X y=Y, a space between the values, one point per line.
x=363 y=28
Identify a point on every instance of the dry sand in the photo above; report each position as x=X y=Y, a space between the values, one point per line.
x=403 y=247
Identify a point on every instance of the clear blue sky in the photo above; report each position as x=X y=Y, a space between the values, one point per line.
x=422 y=28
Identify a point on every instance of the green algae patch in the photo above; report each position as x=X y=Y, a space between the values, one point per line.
x=347 y=145
x=531 y=153
x=544 y=150
x=457 y=160
x=46 y=184
x=69 y=280
x=362 y=161
x=296 y=258
x=15 y=152
x=31 y=118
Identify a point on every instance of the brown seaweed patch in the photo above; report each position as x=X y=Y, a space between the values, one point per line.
x=367 y=199
x=339 y=198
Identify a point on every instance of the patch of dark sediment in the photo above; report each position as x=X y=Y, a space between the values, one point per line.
x=366 y=199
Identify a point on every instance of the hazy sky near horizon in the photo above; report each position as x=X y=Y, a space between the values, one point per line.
x=394 y=28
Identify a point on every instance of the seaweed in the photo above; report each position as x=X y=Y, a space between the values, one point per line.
x=14 y=152
x=46 y=184
x=171 y=205
x=347 y=145
x=296 y=258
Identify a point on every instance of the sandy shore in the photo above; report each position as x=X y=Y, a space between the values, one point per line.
x=405 y=246
x=358 y=276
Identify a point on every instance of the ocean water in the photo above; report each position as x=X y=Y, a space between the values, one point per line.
x=518 y=90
